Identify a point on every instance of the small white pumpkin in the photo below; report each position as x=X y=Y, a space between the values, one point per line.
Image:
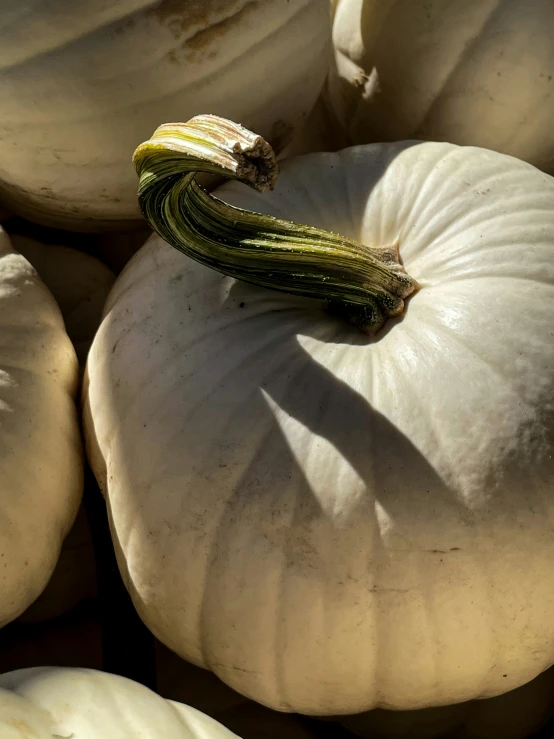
x=330 y=522
x=41 y=474
x=83 y=83
x=47 y=702
x=477 y=72
x=80 y=284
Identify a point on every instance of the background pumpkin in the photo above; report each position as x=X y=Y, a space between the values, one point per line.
x=476 y=72
x=368 y=550
x=40 y=444
x=81 y=85
x=52 y=701
x=80 y=284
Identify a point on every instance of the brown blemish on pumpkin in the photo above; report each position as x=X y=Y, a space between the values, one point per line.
x=217 y=31
x=22 y=726
x=212 y=18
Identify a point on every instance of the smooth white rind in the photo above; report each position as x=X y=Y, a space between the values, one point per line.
x=82 y=85
x=40 y=443
x=59 y=703
x=332 y=524
x=476 y=73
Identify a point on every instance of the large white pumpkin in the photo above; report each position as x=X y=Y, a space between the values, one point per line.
x=333 y=523
x=83 y=83
x=48 y=702
x=478 y=72
x=40 y=443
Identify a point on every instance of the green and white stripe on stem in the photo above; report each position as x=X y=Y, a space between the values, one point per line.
x=366 y=284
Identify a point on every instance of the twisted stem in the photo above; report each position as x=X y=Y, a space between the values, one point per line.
x=365 y=284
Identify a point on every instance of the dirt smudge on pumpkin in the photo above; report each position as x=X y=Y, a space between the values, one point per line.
x=218 y=30
x=210 y=19
x=22 y=726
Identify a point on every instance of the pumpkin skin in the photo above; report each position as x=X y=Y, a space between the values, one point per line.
x=330 y=523
x=80 y=284
x=515 y=715
x=476 y=72
x=40 y=444
x=57 y=701
x=81 y=86
x=183 y=682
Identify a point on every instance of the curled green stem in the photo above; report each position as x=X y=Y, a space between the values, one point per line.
x=366 y=284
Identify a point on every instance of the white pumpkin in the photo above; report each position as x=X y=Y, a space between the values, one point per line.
x=478 y=72
x=83 y=83
x=518 y=714
x=333 y=523
x=41 y=474
x=183 y=682
x=73 y=579
x=79 y=282
x=47 y=702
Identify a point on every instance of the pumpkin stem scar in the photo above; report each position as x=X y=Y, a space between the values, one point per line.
x=364 y=284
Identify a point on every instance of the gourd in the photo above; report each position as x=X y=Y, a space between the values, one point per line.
x=54 y=701
x=82 y=84
x=334 y=521
x=80 y=284
x=477 y=72
x=518 y=714
x=41 y=474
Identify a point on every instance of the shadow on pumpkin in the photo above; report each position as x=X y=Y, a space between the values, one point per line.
x=249 y=556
